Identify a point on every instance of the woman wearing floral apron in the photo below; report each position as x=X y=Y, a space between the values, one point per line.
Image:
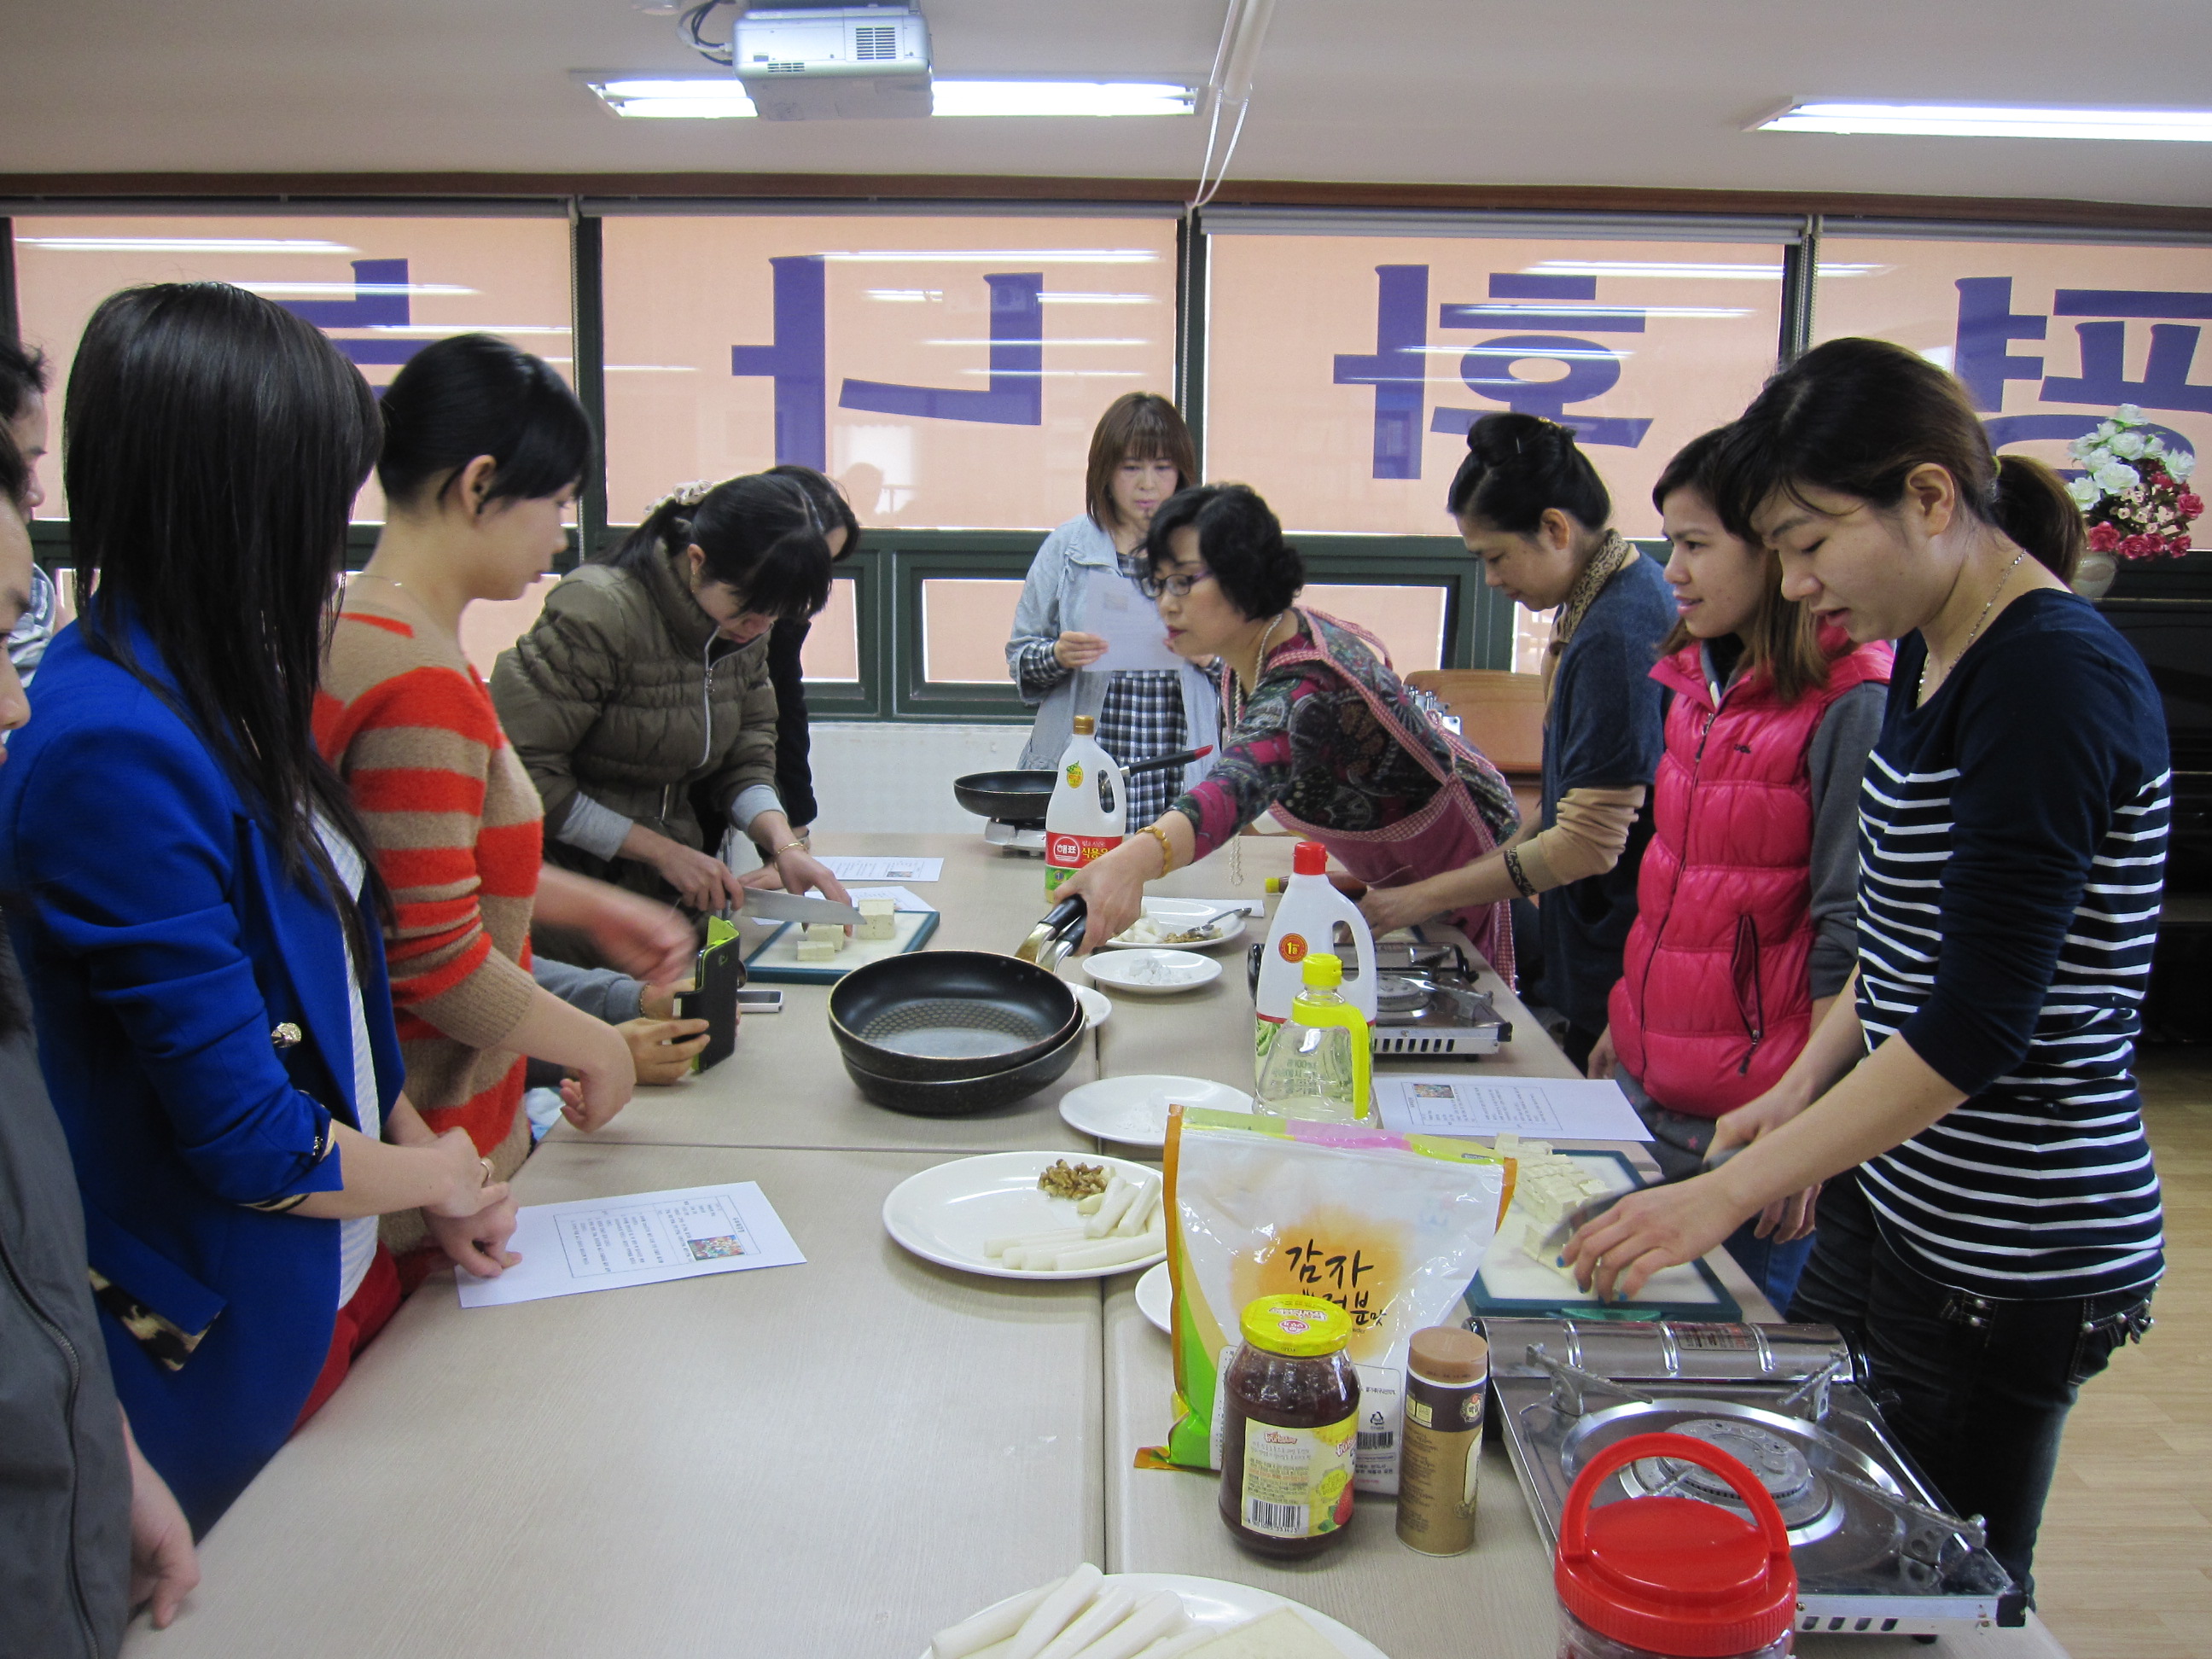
x=1321 y=732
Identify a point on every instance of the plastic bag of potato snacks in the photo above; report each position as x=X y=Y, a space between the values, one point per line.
x=1389 y=1227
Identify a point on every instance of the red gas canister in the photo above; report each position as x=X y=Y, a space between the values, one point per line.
x=1672 y=1577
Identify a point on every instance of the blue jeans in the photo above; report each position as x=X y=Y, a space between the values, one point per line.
x=1976 y=1388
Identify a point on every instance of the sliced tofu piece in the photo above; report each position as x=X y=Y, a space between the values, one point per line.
x=819 y=950
x=1278 y=1635
x=878 y=919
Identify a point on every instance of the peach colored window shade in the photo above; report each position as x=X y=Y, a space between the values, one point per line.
x=965 y=624
x=1408 y=620
x=380 y=287
x=947 y=372
x=2049 y=337
x=832 y=651
x=1343 y=371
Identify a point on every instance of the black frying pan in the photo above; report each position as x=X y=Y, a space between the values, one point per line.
x=957 y=1096
x=1022 y=797
x=937 y=1016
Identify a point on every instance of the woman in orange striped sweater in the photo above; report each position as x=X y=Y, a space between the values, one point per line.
x=484 y=447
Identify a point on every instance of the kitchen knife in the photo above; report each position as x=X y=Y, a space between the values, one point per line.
x=1574 y=1220
x=767 y=905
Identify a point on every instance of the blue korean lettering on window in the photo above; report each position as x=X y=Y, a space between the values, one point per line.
x=1988 y=327
x=795 y=361
x=1523 y=302
x=379 y=301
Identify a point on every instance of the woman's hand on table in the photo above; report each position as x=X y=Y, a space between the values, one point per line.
x=803 y=873
x=1659 y=1227
x=1389 y=908
x=602 y=1085
x=1788 y=1218
x=1604 y=1059
x=466 y=1185
x=478 y=1243
x=661 y=1049
x=1112 y=890
x=1078 y=650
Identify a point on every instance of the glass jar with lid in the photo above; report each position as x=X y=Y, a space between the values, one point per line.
x=1290 y=1412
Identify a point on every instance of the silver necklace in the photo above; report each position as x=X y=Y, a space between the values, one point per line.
x=1972 y=633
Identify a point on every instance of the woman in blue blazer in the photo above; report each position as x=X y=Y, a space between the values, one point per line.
x=196 y=921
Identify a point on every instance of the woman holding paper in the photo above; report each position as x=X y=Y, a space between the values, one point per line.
x=1080 y=608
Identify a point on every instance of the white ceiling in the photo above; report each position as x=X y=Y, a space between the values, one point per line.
x=1638 y=93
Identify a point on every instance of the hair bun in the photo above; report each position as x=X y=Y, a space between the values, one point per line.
x=1509 y=433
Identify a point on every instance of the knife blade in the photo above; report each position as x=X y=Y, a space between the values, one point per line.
x=1574 y=1220
x=767 y=905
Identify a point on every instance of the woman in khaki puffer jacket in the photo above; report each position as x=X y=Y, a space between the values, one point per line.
x=640 y=699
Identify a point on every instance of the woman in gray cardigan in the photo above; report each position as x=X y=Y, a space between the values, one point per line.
x=1141 y=454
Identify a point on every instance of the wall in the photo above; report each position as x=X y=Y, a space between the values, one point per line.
x=878 y=777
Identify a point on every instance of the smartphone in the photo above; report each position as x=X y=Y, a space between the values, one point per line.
x=760 y=1002
x=718 y=982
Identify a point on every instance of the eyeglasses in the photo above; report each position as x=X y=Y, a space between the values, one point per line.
x=1152 y=586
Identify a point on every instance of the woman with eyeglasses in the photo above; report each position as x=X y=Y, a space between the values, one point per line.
x=1321 y=732
x=641 y=699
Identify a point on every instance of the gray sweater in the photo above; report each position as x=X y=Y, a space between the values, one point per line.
x=64 y=1478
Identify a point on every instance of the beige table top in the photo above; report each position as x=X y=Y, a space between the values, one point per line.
x=1494 y=1602
x=834 y=1459
x=786 y=1085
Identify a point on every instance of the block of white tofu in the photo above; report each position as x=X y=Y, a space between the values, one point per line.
x=818 y=951
x=878 y=919
x=830 y=934
x=1546 y=1186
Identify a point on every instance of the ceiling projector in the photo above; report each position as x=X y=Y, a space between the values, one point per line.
x=833 y=63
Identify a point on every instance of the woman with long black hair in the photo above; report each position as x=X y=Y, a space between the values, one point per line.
x=199 y=926
x=1991 y=1228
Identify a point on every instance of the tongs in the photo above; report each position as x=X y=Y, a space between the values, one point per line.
x=1059 y=932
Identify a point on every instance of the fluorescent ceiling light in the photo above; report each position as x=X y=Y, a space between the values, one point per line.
x=1993 y=121
x=1056 y=374
x=1099 y=299
x=649 y=368
x=907 y=295
x=440 y=330
x=723 y=98
x=1054 y=97
x=1498 y=312
x=182 y=245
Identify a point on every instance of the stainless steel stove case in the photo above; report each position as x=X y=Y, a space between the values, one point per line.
x=1013 y=839
x=1426 y=1004
x=1875 y=1553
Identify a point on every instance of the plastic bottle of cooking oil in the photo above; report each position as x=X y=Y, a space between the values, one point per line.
x=1089 y=814
x=1319 y=1068
x=1305 y=921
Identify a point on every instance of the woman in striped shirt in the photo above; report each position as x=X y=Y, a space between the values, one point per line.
x=483 y=448
x=1991 y=1230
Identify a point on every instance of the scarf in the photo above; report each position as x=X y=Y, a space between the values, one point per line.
x=1614 y=556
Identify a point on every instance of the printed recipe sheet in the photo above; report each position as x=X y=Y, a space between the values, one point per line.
x=644 y=1239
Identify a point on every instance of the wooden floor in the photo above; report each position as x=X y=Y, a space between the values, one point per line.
x=2124 y=1567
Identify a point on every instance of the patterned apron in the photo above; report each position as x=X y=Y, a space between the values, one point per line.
x=1444 y=835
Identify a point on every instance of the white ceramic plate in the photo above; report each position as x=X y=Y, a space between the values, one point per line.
x=1173 y=914
x=1156 y=1298
x=1120 y=971
x=1216 y=1604
x=1133 y=1110
x=1097 y=1006
x=945 y=1214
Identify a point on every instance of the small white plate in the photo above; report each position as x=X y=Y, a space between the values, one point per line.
x=944 y=1213
x=1133 y=1110
x=1216 y=1604
x=1156 y=1298
x=1120 y=971
x=1172 y=913
x=1097 y=1006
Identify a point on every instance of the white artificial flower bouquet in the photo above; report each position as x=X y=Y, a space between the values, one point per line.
x=2134 y=491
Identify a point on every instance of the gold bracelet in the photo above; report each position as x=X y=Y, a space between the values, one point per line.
x=786 y=847
x=1167 y=847
x=486 y=1182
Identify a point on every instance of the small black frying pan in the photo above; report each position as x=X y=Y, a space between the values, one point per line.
x=1022 y=797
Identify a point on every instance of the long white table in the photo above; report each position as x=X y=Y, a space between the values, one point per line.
x=829 y=1460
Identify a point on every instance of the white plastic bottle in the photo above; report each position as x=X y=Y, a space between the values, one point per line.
x=1078 y=825
x=1305 y=921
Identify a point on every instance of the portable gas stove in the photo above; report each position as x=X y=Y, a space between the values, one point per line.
x=1012 y=838
x=1876 y=1552
x=1426 y=1001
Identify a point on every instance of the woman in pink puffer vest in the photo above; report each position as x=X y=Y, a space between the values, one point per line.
x=1747 y=900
